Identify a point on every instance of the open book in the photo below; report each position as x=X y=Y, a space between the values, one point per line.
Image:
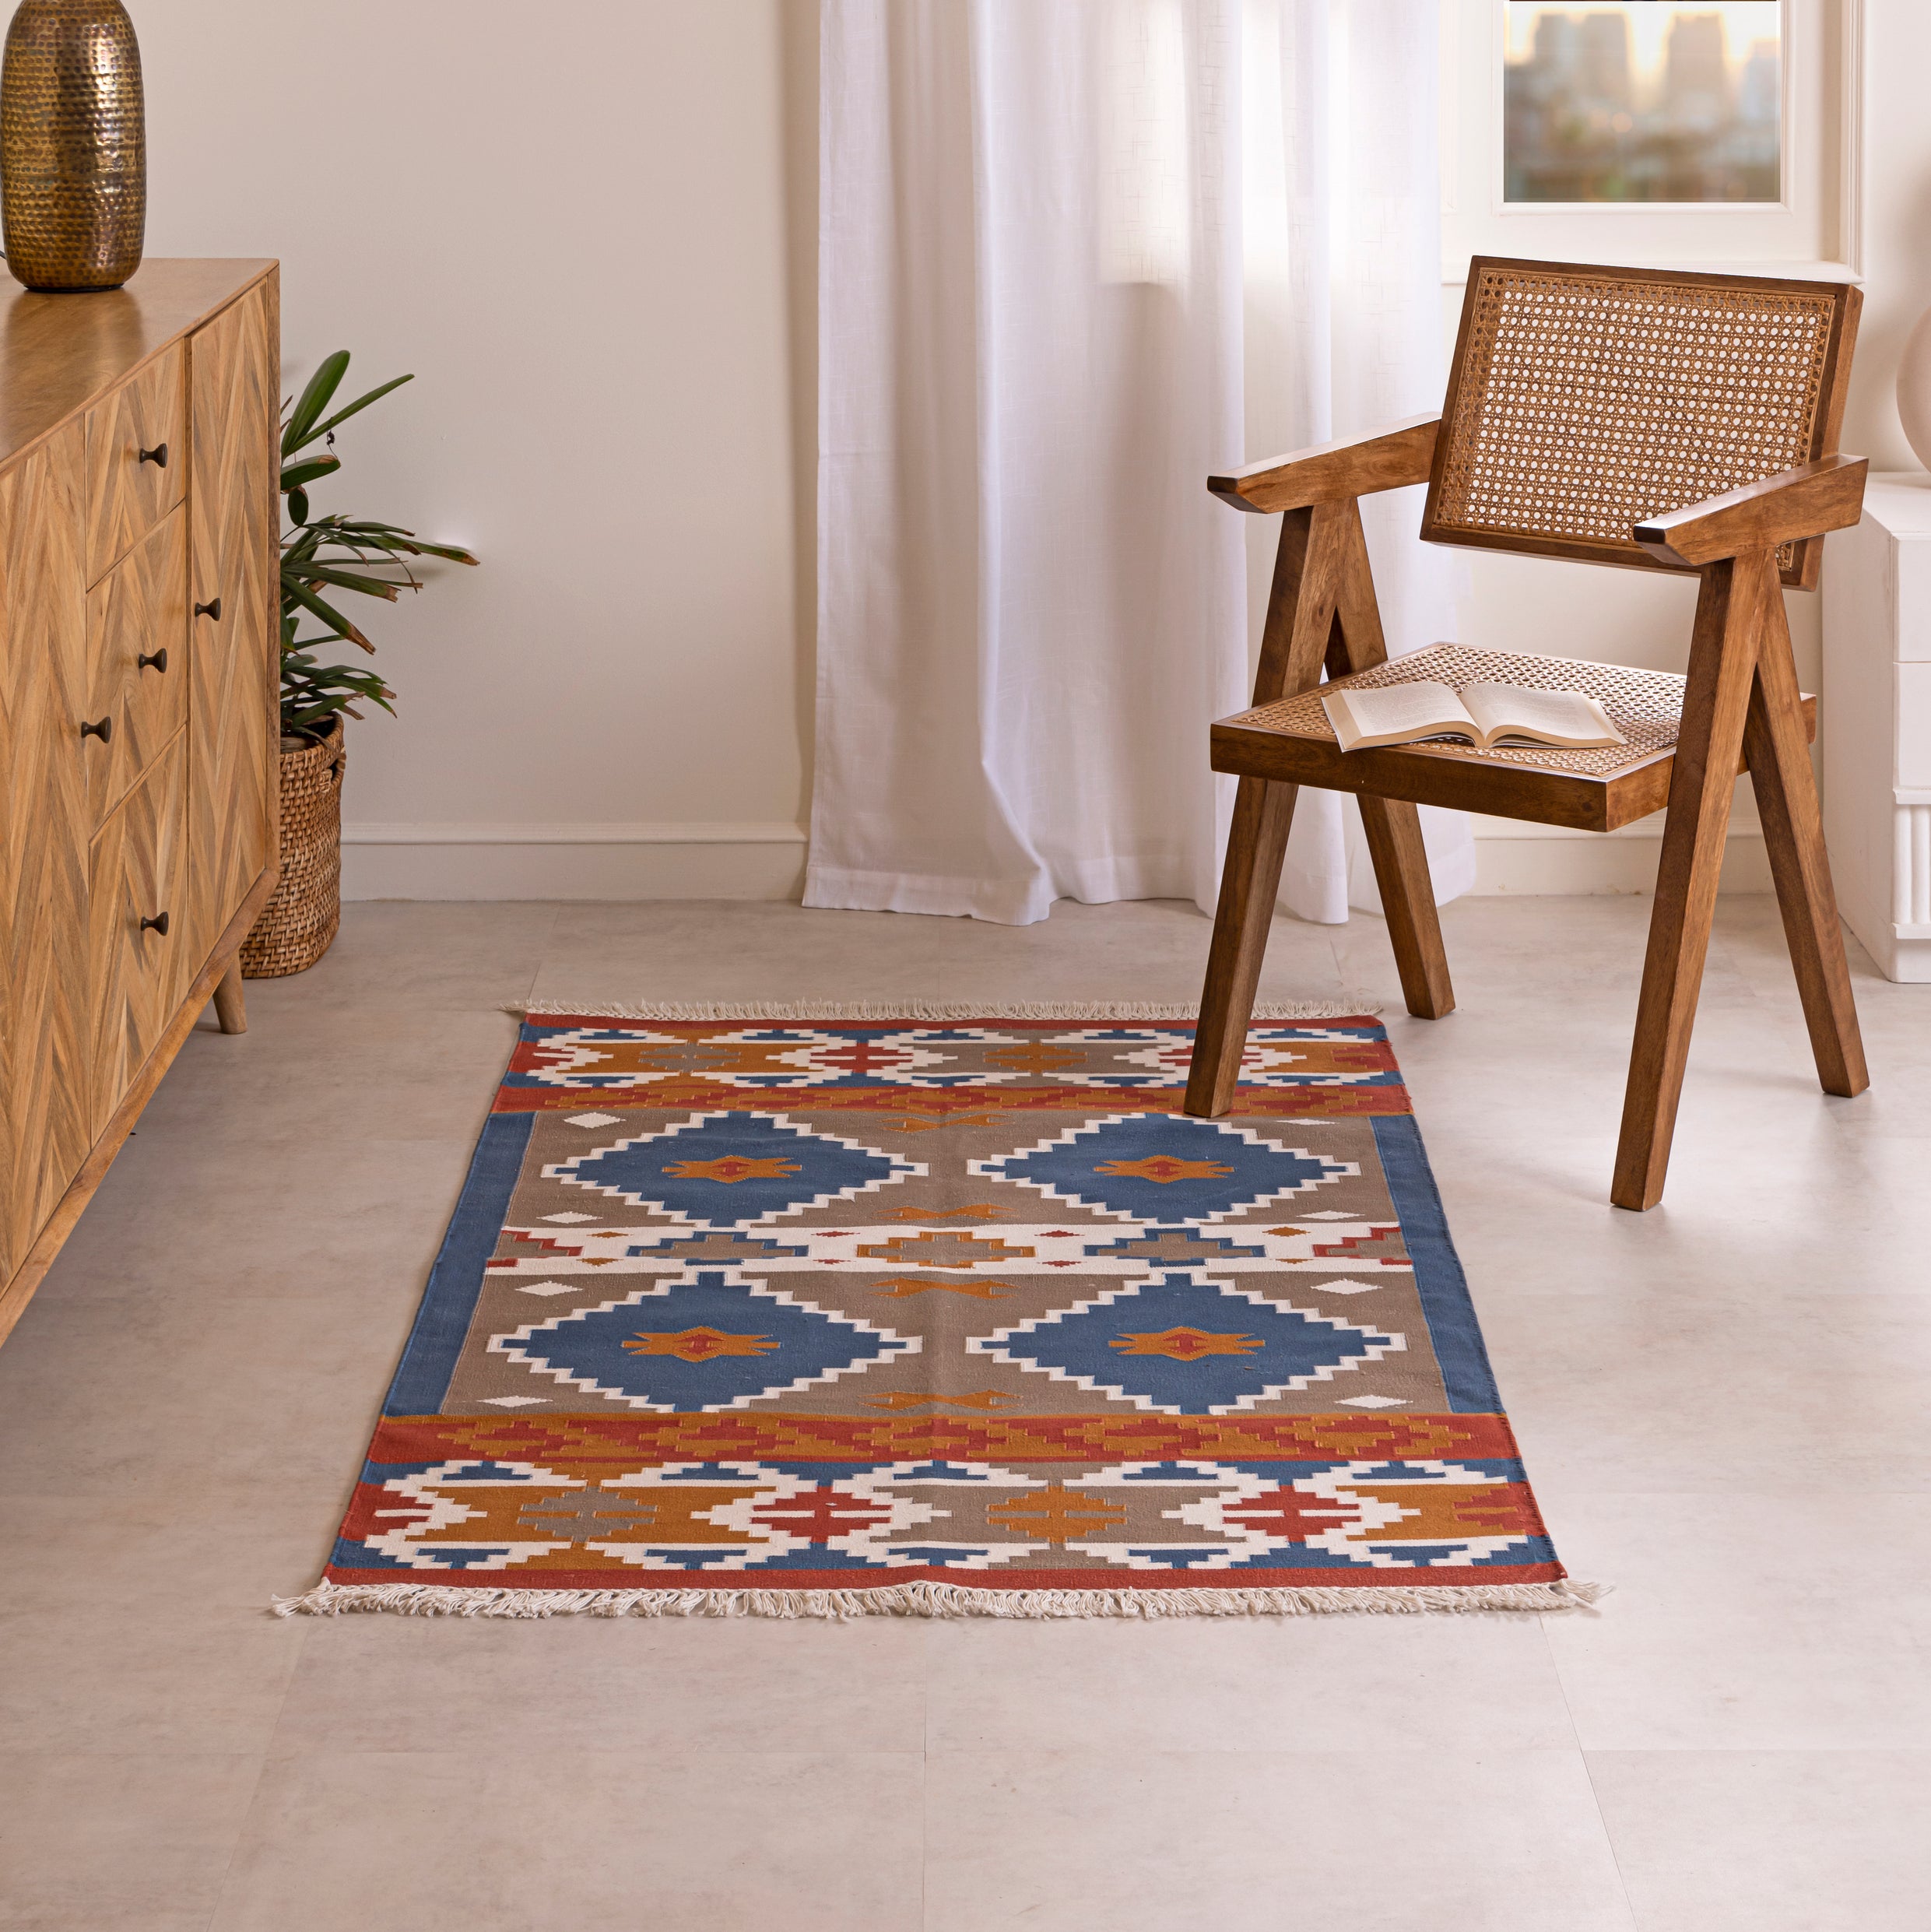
x=1486 y=715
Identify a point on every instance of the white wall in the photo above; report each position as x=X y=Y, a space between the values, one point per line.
x=574 y=224
x=590 y=230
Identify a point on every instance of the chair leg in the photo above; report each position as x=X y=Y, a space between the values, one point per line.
x=1775 y=747
x=1250 y=883
x=1723 y=660
x=1408 y=899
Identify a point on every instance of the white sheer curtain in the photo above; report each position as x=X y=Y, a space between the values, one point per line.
x=1071 y=253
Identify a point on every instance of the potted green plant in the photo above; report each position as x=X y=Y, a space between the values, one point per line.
x=321 y=558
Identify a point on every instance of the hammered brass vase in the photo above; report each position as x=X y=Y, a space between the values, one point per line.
x=73 y=145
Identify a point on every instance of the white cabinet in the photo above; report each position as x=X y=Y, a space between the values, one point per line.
x=1875 y=723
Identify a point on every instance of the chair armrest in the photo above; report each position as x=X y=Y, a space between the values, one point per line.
x=1794 y=503
x=1390 y=459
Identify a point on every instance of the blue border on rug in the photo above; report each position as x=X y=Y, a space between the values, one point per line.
x=1442 y=1287
x=455 y=1283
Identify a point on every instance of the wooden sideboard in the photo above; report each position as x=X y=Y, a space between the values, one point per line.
x=139 y=530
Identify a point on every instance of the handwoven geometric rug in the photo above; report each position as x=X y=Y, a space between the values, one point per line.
x=745 y=1311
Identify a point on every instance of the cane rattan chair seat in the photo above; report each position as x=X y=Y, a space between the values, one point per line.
x=1595 y=790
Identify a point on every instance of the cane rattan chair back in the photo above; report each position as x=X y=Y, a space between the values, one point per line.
x=1584 y=401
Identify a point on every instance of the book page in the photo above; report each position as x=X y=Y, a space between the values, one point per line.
x=1559 y=717
x=1386 y=713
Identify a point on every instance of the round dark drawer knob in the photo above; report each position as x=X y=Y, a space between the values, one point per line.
x=157 y=924
x=103 y=731
x=157 y=455
x=154 y=661
x=209 y=610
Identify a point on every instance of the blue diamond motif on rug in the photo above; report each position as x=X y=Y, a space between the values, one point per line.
x=730 y=1170
x=1167 y=1168
x=707 y=1341
x=1184 y=1344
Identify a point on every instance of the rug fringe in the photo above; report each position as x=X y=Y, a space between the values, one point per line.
x=930 y=1600
x=934 y=1009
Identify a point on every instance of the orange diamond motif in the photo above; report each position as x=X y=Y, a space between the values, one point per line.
x=941 y=1247
x=1164 y=1168
x=1187 y=1344
x=700 y=1344
x=1042 y=1059
x=1056 y=1514
x=899 y=1287
x=732 y=1168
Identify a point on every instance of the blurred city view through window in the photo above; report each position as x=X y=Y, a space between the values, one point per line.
x=1648 y=101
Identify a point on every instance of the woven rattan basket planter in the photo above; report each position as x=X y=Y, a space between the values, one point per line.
x=298 y=925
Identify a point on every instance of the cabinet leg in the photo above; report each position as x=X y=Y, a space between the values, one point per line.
x=230 y=1009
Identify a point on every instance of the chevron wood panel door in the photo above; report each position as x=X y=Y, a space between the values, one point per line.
x=45 y=1122
x=134 y=934
x=235 y=367
x=137 y=646
x=137 y=459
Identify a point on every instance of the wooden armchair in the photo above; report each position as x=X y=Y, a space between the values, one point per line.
x=1683 y=423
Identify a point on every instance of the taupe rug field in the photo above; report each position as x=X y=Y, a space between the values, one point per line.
x=949 y=1314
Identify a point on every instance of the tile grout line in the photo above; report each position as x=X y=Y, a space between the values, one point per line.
x=1589 y=1772
x=546 y=946
x=925 y=1794
x=254 y=1794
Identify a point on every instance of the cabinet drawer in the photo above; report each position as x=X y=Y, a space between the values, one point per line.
x=137 y=458
x=134 y=954
x=234 y=370
x=137 y=643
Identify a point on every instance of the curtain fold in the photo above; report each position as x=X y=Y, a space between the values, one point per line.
x=1073 y=253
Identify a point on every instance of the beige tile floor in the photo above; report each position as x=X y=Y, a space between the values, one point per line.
x=1723 y=1404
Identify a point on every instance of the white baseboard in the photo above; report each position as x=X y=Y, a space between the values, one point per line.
x=720 y=860
x=1544 y=860
x=701 y=860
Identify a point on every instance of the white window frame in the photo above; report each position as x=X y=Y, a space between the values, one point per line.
x=1816 y=230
